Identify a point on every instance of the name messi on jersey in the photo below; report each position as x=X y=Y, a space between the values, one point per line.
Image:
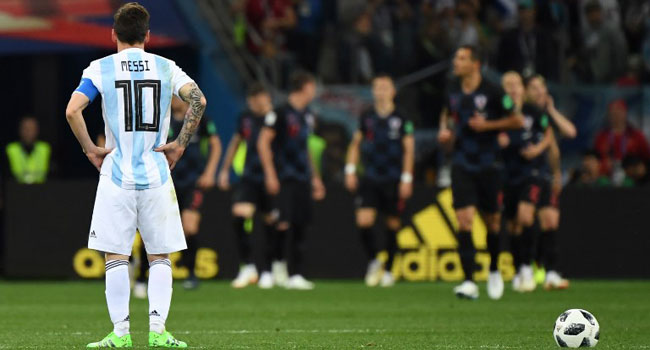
x=135 y=66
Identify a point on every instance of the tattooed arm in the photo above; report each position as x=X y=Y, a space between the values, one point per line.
x=191 y=94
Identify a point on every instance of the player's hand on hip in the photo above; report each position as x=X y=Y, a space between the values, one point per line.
x=351 y=182
x=224 y=181
x=272 y=185
x=503 y=139
x=318 y=189
x=405 y=190
x=444 y=135
x=173 y=152
x=477 y=123
x=206 y=181
x=96 y=156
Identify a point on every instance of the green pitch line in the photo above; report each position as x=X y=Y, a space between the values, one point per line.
x=336 y=315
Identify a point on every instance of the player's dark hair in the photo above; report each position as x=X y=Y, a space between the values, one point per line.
x=299 y=79
x=255 y=89
x=592 y=6
x=475 y=52
x=131 y=23
x=383 y=76
x=591 y=153
x=530 y=79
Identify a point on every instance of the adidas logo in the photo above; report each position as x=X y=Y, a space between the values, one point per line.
x=92 y=234
x=154 y=313
x=128 y=318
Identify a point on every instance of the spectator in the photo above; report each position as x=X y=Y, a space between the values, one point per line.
x=305 y=40
x=636 y=172
x=29 y=158
x=469 y=34
x=355 y=52
x=528 y=49
x=618 y=140
x=604 y=48
x=589 y=172
x=269 y=19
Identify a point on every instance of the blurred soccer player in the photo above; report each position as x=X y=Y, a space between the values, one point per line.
x=250 y=195
x=386 y=145
x=194 y=174
x=476 y=111
x=526 y=161
x=549 y=214
x=295 y=180
x=135 y=190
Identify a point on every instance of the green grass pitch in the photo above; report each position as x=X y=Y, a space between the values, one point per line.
x=336 y=315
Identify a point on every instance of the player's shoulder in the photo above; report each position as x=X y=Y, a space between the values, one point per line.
x=490 y=87
x=453 y=85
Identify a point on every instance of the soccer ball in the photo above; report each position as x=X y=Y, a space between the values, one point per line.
x=576 y=328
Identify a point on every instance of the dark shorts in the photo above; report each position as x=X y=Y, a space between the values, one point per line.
x=189 y=198
x=547 y=198
x=255 y=193
x=383 y=197
x=294 y=202
x=482 y=189
x=532 y=190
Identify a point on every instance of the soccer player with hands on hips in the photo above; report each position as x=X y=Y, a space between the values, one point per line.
x=135 y=190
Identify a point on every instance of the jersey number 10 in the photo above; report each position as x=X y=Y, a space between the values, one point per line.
x=138 y=87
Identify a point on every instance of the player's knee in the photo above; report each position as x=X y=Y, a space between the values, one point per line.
x=526 y=214
x=191 y=220
x=549 y=220
x=393 y=223
x=283 y=226
x=244 y=210
x=110 y=256
x=465 y=221
x=154 y=257
x=365 y=222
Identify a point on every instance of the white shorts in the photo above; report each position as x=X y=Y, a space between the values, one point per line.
x=119 y=212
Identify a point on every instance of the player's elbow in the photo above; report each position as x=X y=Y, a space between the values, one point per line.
x=203 y=102
x=71 y=114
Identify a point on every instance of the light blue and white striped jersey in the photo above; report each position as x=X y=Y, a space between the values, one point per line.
x=136 y=88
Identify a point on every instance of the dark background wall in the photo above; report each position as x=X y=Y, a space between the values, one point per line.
x=603 y=232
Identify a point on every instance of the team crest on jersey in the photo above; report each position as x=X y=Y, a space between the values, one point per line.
x=528 y=122
x=293 y=125
x=247 y=128
x=310 y=120
x=480 y=101
x=394 y=124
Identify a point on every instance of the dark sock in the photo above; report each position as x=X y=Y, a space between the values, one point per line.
x=527 y=241
x=391 y=248
x=550 y=250
x=144 y=265
x=368 y=240
x=467 y=254
x=278 y=245
x=189 y=256
x=540 y=249
x=243 y=239
x=269 y=254
x=515 y=250
x=494 y=247
x=295 y=263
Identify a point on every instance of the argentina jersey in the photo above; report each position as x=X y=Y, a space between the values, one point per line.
x=136 y=89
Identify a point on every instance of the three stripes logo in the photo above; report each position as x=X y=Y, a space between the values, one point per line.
x=428 y=246
x=92 y=234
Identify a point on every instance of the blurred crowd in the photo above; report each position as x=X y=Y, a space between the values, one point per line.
x=587 y=41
